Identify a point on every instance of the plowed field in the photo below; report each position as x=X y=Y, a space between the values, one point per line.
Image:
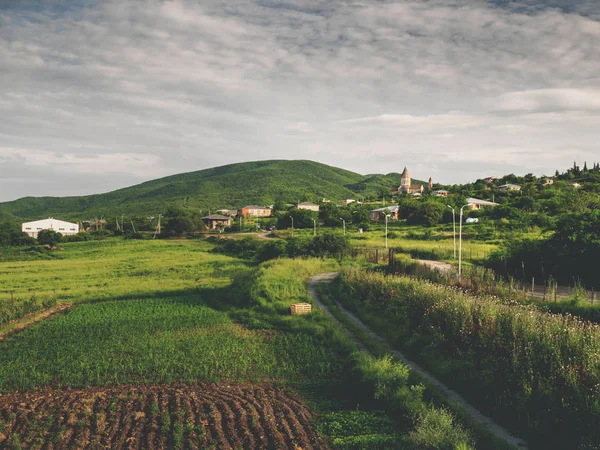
x=157 y=417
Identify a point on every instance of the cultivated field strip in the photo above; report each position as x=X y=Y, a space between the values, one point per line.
x=157 y=417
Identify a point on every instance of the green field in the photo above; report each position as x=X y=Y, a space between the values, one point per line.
x=118 y=268
x=151 y=315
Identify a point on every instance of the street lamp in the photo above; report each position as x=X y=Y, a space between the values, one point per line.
x=460 y=242
x=314 y=227
x=292 y=225
x=386 y=237
x=344 y=224
x=453 y=228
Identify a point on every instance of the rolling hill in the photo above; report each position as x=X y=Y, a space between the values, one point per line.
x=230 y=186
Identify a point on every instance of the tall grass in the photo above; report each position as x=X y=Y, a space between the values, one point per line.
x=540 y=372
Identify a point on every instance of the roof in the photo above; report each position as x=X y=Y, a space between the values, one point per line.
x=441 y=190
x=405 y=173
x=307 y=204
x=57 y=221
x=476 y=201
x=509 y=185
x=389 y=208
x=254 y=207
x=216 y=217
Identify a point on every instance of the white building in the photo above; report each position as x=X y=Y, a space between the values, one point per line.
x=60 y=226
x=475 y=203
x=308 y=205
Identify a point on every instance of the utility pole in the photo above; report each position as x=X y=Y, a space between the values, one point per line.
x=453 y=228
x=344 y=225
x=240 y=223
x=122 y=222
x=292 y=225
x=157 y=228
x=386 y=230
x=460 y=244
x=132 y=226
x=314 y=227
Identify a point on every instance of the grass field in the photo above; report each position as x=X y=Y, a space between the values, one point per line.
x=118 y=268
x=149 y=316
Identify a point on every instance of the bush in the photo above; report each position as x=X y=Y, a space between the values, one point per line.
x=437 y=429
x=49 y=237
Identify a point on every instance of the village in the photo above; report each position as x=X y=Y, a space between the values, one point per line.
x=225 y=218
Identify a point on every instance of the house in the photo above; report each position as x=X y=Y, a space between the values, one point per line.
x=441 y=193
x=346 y=201
x=376 y=214
x=576 y=185
x=60 y=226
x=325 y=200
x=228 y=212
x=475 y=203
x=308 y=205
x=490 y=180
x=406 y=187
x=213 y=220
x=509 y=187
x=255 y=211
x=548 y=181
x=472 y=220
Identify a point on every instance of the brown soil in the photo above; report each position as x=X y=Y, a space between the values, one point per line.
x=158 y=417
x=32 y=318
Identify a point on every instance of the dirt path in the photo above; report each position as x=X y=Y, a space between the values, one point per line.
x=474 y=413
x=441 y=266
x=30 y=319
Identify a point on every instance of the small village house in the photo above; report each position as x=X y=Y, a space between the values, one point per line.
x=255 y=211
x=441 y=193
x=377 y=214
x=509 y=187
x=212 y=221
x=60 y=226
x=346 y=201
x=476 y=204
x=490 y=180
x=576 y=185
x=309 y=206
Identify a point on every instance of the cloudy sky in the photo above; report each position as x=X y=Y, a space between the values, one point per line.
x=98 y=95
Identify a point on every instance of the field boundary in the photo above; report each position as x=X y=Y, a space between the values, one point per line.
x=470 y=410
x=25 y=322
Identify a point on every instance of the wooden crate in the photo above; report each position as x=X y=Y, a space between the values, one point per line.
x=301 y=308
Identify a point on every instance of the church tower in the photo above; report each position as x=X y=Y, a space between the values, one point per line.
x=404 y=180
x=430 y=185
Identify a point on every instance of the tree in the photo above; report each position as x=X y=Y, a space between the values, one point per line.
x=49 y=237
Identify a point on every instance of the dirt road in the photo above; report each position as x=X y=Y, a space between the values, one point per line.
x=474 y=413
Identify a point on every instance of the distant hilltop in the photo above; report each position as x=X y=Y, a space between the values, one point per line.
x=230 y=186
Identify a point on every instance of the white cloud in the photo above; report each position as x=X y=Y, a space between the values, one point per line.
x=549 y=100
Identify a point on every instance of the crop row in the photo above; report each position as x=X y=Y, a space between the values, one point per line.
x=181 y=416
x=156 y=341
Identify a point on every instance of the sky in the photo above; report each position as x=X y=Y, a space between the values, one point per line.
x=99 y=95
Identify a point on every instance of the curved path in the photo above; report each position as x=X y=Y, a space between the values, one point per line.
x=474 y=413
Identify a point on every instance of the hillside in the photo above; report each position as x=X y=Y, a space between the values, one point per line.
x=230 y=186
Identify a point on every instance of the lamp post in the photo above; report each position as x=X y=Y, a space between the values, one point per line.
x=314 y=227
x=292 y=225
x=453 y=228
x=386 y=231
x=460 y=242
x=344 y=224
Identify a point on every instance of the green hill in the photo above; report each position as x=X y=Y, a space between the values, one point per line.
x=231 y=186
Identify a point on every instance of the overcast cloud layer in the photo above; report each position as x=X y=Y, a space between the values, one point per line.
x=96 y=96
